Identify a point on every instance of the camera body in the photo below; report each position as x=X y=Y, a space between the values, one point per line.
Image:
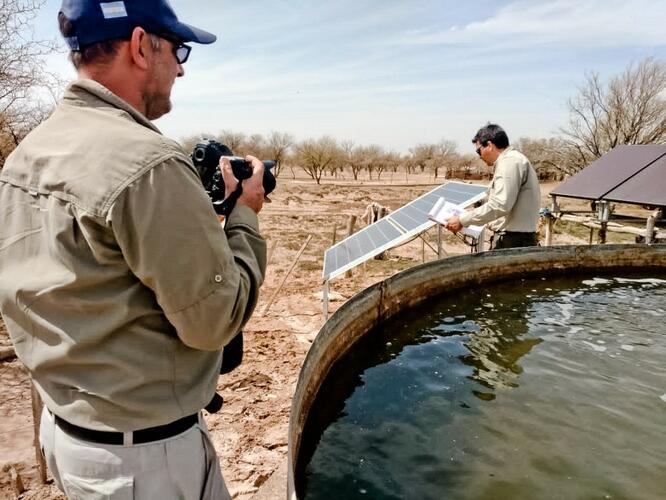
x=206 y=158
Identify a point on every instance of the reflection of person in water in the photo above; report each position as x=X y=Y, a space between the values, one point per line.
x=496 y=348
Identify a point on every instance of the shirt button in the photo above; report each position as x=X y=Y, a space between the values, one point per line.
x=218 y=278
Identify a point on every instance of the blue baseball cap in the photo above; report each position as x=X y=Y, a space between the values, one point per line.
x=96 y=21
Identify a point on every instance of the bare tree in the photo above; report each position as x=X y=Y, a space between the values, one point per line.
x=432 y=157
x=397 y=161
x=27 y=91
x=233 y=140
x=278 y=147
x=378 y=160
x=254 y=145
x=353 y=157
x=390 y=161
x=317 y=156
x=549 y=157
x=422 y=155
x=445 y=151
x=409 y=162
x=631 y=109
x=371 y=158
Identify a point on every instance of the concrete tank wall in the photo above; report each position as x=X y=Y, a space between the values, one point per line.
x=409 y=288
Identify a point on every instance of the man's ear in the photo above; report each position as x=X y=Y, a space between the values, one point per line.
x=140 y=47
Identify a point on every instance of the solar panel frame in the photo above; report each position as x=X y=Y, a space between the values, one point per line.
x=416 y=220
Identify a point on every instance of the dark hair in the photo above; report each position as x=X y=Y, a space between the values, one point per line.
x=492 y=133
x=101 y=52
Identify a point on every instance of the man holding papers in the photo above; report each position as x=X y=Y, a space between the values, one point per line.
x=514 y=197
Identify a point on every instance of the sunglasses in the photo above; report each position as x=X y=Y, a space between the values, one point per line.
x=478 y=150
x=182 y=52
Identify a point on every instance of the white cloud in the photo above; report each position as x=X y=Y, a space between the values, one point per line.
x=585 y=23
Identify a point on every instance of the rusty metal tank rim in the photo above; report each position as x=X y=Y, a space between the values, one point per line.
x=407 y=289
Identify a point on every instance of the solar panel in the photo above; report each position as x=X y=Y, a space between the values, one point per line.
x=398 y=227
x=648 y=187
x=609 y=172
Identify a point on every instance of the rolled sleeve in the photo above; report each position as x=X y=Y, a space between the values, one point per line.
x=205 y=279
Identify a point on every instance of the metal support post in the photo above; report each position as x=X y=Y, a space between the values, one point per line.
x=481 y=242
x=550 y=222
x=603 y=214
x=649 y=229
x=325 y=299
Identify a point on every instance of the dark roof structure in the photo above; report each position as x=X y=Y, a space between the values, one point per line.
x=627 y=174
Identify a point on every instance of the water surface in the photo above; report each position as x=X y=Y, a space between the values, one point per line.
x=527 y=389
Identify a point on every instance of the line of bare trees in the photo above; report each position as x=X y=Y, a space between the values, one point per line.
x=326 y=156
x=628 y=109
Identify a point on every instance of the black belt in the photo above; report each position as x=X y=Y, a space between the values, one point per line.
x=138 y=437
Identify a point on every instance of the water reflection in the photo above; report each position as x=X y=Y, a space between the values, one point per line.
x=495 y=354
x=495 y=343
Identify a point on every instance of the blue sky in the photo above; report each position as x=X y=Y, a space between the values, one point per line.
x=396 y=73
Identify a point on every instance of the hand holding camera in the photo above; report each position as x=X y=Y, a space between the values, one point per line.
x=253 y=191
x=229 y=179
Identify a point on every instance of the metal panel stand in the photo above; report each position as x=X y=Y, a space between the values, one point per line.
x=481 y=242
x=325 y=299
x=604 y=211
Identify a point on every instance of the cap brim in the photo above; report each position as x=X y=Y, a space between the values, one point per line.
x=188 y=33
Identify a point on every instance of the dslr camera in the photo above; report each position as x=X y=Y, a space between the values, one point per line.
x=206 y=158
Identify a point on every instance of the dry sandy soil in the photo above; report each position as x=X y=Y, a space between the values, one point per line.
x=250 y=432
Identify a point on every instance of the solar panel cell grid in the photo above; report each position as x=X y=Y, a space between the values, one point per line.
x=406 y=219
x=388 y=231
x=409 y=219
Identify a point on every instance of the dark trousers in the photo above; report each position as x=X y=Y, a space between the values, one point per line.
x=511 y=239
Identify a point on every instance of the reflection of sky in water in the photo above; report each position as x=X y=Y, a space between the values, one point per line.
x=484 y=395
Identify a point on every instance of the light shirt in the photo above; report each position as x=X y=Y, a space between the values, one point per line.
x=514 y=195
x=118 y=286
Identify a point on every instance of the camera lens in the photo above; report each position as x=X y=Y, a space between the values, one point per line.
x=199 y=154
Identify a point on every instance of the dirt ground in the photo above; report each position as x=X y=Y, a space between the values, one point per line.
x=250 y=432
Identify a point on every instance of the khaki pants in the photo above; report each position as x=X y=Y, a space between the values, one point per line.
x=180 y=467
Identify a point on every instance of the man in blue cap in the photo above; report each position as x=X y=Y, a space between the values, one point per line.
x=118 y=286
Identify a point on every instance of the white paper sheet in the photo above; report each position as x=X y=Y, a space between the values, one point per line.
x=443 y=210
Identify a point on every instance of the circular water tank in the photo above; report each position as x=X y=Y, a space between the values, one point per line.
x=409 y=288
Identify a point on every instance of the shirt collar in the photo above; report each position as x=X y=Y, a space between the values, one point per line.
x=91 y=92
x=505 y=151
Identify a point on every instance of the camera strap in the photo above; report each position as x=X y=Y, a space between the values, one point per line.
x=229 y=202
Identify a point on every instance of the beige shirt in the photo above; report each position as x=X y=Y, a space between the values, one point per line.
x=514 y=196
x=118 y=285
